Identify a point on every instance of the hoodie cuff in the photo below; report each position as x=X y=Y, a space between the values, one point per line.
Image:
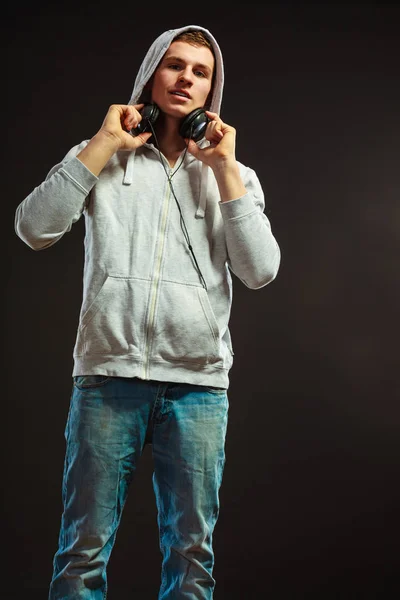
x=240 y=207
x=80 y=174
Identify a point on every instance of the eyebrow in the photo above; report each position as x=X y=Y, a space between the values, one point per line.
x=180 y=60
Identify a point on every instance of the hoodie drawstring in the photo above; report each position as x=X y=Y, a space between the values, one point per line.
x=201 y=207
x=128 y=175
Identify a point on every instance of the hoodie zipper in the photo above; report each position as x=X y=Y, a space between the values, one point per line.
x=156 y=281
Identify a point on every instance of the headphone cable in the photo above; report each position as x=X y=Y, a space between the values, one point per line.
x=182 y=221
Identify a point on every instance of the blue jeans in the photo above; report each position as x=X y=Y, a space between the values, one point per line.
x=110 y=421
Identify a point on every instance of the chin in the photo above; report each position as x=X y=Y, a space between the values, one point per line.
x=177 y=111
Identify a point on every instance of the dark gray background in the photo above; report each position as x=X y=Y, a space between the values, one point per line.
x=310 y=497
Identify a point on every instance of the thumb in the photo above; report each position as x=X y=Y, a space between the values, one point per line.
x=193 y=148
x=142 y=138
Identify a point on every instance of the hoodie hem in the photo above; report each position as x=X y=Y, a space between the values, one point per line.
x=206 y=375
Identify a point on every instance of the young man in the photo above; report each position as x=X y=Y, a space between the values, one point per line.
x=167 y=218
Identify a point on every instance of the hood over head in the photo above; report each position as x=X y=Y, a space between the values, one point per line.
x=151 y=60
x=157 y=50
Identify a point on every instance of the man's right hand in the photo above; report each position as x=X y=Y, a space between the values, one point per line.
x=113 y=136
x=119 y=120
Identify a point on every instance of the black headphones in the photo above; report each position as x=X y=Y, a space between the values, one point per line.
x=193 y=125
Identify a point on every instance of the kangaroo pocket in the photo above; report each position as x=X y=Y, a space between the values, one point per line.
x=185 y=328
x=114 y=322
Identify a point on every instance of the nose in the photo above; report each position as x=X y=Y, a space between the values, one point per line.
x=186 y=76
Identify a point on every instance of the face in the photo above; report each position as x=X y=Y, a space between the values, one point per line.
x=182 y=81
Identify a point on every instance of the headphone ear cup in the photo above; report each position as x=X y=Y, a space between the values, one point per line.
x=150 y=114
x=194 y=125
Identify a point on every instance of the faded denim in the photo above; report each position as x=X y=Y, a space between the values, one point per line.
x=110 y=421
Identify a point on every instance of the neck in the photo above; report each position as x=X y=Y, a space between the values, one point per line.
x=170 y=143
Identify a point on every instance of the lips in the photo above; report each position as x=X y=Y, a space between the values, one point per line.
x=180 y=93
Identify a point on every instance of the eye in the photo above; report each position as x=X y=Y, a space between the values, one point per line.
x=174 y=67
x=200 y=74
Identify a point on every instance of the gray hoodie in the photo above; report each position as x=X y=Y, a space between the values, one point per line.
x=145 y=311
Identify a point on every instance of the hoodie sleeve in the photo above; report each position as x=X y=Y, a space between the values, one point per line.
x=254 y=254
x=51 y=209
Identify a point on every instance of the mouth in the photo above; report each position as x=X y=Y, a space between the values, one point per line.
x=180 y=93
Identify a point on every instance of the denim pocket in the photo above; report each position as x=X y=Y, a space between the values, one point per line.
x=87 y=382
x=214 y=390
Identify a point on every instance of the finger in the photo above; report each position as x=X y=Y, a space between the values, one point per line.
x=214 y=132
x=214 y=140
x=137 y=107
x=192 y=147
x=127 y=107
x=132 y=118
x=142 y=138
x=216 y=129
x=216 y=124
x=212 y=115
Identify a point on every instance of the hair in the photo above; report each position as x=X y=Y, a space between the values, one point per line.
x=196 y=38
